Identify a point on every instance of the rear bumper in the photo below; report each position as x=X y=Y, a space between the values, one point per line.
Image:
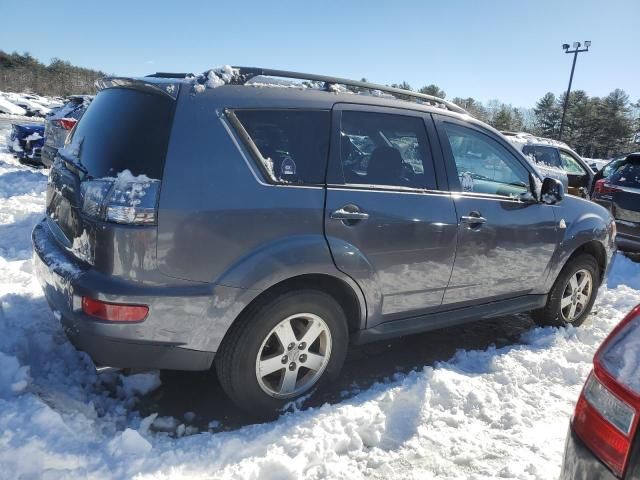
x=48 y=155
x=628 y=237
x=181 y=332
x=580 y=464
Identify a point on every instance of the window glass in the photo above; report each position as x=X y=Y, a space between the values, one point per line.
x=627 y=174
x=485 y=166
x=547 y=156
x=570 y=164
x=294 y=144
x=125 y=129
x=385 y=149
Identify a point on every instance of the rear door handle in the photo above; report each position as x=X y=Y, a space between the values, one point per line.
x=349 y=212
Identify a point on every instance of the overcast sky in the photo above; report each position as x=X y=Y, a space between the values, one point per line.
x=510 y=50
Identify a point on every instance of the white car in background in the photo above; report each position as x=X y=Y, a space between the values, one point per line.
x=555 y=159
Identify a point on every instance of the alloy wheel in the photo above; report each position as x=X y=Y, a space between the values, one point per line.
x=576 y=296
x=293 y=355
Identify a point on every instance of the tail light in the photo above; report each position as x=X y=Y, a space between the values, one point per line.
x=66 y=123
x=127 y=199
x=606 y=416
x=114 y=312
x=601 y=186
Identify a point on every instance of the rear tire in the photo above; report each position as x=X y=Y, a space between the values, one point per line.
x=281 y=349
x=572 y=295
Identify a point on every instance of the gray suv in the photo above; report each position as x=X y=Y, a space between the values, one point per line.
x=261 y=228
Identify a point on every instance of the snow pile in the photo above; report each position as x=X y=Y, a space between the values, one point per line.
x=214 y=78
x=502 y=412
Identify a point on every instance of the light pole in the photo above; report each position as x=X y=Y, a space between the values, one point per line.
x=576 y=50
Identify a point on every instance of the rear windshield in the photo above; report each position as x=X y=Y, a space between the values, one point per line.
x=546 y=156
x=627 y=174
x=293 y=143
x=125 y=129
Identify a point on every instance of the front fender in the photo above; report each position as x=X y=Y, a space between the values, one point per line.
x=587 y=226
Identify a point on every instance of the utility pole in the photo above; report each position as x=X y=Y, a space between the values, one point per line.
x=576 y=50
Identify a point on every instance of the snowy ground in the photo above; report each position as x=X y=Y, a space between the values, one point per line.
x=500 y=412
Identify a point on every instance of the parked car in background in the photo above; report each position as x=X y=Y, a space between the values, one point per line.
x=59 y=123
x=596 y=164
x=551 y=157
x=31 y=107
x=262 y=230
x=25 y=142
x=603 y=441
x=10 y=108
x=617 y=188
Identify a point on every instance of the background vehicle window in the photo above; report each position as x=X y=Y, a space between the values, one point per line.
x=627 y=174
x=547 y=156
x=570 y=164
x=385 y=149
x=485 y=166
x=293 y=143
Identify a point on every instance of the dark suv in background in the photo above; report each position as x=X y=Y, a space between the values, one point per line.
x=617 y=188
x=262 y=229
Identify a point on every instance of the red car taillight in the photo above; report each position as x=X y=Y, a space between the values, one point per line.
x=606 y=416
x=601 y=186
x=66 y=123
x=114 y=312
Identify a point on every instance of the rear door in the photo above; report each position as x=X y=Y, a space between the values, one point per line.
x=505 y=238
x=389 y=219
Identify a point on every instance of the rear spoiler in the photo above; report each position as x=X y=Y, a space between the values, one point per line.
x=153 y=85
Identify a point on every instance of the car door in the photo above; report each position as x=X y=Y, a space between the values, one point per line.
x=506 y=239
x=389 y=220
x=578 y=174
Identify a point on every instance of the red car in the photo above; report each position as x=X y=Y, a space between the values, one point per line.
x=603 y=441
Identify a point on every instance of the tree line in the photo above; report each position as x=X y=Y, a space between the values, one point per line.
x=596 y=127
x=22 y=72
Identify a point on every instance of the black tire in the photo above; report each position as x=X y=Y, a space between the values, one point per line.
x=551 y=314
x=235 y=362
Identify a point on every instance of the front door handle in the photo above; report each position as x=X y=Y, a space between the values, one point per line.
x=350 y=213
x=473 y=219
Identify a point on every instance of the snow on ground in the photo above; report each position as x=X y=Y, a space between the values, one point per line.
x=483 y=414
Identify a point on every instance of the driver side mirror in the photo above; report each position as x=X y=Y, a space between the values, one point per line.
x=552 y=191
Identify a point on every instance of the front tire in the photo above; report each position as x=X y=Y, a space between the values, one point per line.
x=282 y=348
x=573 y=294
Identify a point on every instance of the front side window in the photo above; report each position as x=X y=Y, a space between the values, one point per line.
x=293 y=144
x=385 y=149
x=570 y=164
x=485 y=166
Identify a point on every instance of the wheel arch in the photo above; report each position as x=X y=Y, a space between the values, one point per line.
x=351 y=301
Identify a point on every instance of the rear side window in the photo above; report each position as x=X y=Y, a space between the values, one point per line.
x=385 y=149
x=293 y=144
x=124 y=129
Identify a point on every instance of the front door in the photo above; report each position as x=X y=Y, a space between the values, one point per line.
x=388 y=224
x=506 y=239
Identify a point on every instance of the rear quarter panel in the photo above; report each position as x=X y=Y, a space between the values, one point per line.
x=219 y=221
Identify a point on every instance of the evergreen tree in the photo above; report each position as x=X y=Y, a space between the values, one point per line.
x=547 y=116
x=433 y=90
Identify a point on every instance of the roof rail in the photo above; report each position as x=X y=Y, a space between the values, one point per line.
x=247 y=73
x=170 y=75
